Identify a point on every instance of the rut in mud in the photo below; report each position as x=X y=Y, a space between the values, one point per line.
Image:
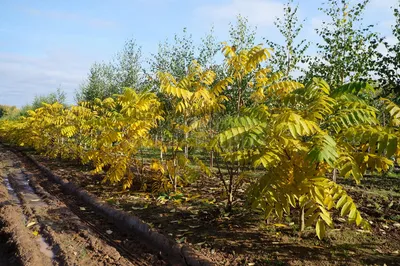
x=7 y=249
x=48 y=227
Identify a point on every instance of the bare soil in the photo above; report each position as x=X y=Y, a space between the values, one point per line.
x=48 y=227
x=7 y=249
x=196 y=217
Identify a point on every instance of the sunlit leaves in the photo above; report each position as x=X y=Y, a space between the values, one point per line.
x=324 y=150
x=106 y=132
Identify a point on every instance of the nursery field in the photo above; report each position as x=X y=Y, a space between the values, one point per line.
x=230 y=153
x=276 y=172
x=195 y=217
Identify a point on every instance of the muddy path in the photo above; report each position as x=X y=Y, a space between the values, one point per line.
x=40 y=225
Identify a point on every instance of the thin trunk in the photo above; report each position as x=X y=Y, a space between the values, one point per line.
x=186 y=138
x=161 y=150
x=334 y=176
x=211 y=159
x=186 y=145
x=384 y=119
x=211 y=137
x=175 y=176
x=239 y=101
x=221 y=176
x=174 y=161
x=289 y=59
x=141 y=167
x=230 y=194
x=302 y=220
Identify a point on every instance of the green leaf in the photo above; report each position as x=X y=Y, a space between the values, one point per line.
x=353 y=88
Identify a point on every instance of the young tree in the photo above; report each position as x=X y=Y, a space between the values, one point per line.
x=99 y=84
x=8 y=112
x=388 y=62
x=208 y=50
x=57 y=96
x=242 y=38
x=347 y=50
x=108 y=79
x=127 y=66
x=242 y=35
x=287 y=57
x=175 y=59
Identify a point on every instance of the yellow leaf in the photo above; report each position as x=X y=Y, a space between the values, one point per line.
x=30 y=224
x=280 y=225
x=359 y=219
x=320 y=229
x=346 y=208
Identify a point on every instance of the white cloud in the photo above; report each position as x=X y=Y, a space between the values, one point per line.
x=260 y=13
x=23 y=77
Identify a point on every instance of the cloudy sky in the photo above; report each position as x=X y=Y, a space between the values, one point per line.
x=49 y=44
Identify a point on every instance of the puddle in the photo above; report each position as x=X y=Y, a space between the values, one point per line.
x=21 y=182
x=45 y=248
x=11 y=191
x=30 y=197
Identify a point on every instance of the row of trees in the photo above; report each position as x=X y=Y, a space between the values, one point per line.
x=347 y=51
x=242 y=119
x=282 y=137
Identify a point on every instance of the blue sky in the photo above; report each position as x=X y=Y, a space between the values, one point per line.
x=49 y=44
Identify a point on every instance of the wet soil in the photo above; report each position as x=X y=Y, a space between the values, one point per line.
x=7 y=250
x=49 y=227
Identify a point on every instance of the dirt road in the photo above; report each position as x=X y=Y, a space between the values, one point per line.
x=40 y=225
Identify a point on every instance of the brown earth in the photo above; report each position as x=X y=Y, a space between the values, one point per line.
x=25 y=251
x=196 y=217
x=7 y=249
x=50 y=228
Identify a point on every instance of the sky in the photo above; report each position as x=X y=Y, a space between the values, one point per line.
x=50 y=44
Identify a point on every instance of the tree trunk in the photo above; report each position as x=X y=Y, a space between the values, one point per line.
x=334 y=176
x=230 y=195
x=211 y=137
x=211 y=159
x=186 y=145
x=161 y=150
x=175 y=178
x=239 y=101
x=186 y=138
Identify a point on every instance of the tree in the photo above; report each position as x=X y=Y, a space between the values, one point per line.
x=8 y=112
x=208 y=50
x=292 y=134
x=127 y=66
x=241 y=34
x=101 y=83
x=53 y=97
x=287 y=57
x=346 y=52
x=109 y=79
x=388 y=62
